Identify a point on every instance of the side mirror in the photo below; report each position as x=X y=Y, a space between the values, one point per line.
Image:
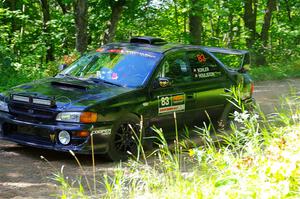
x=244 y=69
x=62 y=67
x=162 y=82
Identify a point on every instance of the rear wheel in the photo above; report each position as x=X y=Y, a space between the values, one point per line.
x=123 y=140
x=226 y=117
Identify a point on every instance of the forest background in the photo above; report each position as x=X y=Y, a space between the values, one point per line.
x=38 y=35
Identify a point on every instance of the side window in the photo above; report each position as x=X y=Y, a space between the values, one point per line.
x=176 y=68
x=203 y=66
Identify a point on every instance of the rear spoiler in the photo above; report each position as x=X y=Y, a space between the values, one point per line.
x=245 y=60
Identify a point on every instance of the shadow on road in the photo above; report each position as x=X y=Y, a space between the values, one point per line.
x=53 y=156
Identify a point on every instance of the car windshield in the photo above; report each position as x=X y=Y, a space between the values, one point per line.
x=128 y=68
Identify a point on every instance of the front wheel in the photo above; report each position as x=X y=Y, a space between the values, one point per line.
x=123 y=141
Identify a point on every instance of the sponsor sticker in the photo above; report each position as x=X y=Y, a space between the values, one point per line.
x=171 y=103
x=205 y=72
x=102 y=131
x=131 y=52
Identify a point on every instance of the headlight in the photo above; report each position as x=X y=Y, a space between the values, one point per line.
x=3 y=106
x=83 y=117
x=64 y=137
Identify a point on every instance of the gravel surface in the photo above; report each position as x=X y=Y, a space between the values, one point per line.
x=24 y=175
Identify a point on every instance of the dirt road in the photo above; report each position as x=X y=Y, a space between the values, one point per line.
x=24 y=174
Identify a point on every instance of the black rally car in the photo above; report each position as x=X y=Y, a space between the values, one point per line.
x=105 y=93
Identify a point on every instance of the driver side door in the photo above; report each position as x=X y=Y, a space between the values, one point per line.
x=171 y=93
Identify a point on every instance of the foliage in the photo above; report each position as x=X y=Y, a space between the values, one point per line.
x=23 y=41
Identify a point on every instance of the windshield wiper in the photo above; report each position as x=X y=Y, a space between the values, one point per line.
x=74 y=78
x=71 y=77
x=96 y=80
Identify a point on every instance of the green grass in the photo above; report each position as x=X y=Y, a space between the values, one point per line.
x=259 y=158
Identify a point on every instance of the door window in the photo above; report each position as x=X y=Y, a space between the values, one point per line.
x=176 y=68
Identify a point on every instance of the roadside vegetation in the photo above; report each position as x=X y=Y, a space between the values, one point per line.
x=258 y=157
x=276 y=71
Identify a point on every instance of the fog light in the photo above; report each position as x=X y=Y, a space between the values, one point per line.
x=64 y=137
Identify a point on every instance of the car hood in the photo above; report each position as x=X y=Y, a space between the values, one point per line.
x=68 y=92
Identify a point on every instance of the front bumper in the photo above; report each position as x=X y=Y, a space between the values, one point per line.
x=46 y=135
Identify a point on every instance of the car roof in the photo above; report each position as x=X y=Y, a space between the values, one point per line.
x=147 y=47
x=159 y=45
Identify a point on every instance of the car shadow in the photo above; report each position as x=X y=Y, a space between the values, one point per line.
x=53 y=156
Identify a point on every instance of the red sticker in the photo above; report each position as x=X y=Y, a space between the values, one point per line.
x=114 y=76
x=201 y=58
x=115 y=50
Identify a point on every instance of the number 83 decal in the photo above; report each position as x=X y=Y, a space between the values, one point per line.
x=165 y=101
x=171 y=103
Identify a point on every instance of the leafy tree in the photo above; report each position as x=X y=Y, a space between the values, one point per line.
x=37 y=35
x=117 y=7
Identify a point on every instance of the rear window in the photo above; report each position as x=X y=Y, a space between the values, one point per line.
x=231 y=61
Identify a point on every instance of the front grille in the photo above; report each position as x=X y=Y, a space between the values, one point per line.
x=31 y=113
x=35 y=134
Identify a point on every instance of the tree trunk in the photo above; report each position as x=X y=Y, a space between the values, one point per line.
x=218 y=25
x=288 y=10
x=11 y=5
x=195 y=21
x=176 y=20
x=230 y=23
x=238 y=32
x=116 y=13
x=185 y=17
x=250 y=12
x=81 y=22
x=271 y=6
x=46 y=19
x=230 y=34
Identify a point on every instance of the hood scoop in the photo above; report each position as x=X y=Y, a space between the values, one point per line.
x=68 y=86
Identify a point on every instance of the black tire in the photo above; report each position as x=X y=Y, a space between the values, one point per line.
x=227 y=119
x=123 y=139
